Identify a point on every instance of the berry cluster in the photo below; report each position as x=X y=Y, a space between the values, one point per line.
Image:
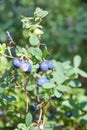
x=26 y=67
x=44 y=67
x=23 y=65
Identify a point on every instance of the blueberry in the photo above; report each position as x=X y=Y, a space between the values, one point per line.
x=17 y=62
x=33 y=107
x=1 y=112
x=26 y=67
x=51 y=115
x=69 y=114
x=43 y=66
x=50 y=64
x=42 y=80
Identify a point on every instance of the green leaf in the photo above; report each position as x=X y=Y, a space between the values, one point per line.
x=2 y=88
x=45 y=52
x=83 y=119
x=75 y=83
x=77 y=61
x=22 y=126
x=36 y=52
x=48 y=85
x=76 y=112
x=2 y=48
x=82 y=73
x=32 y=128
x=28 y=119
x=64 y=88
x=68 y=104
x=42 y=13
x=57 y=94
x=9 y=98
x=34 y=40
x=58 y=75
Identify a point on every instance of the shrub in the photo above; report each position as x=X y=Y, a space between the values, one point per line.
x=23 y=74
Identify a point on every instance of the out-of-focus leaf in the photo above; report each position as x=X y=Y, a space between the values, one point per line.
x=28 y=119
x=77 y=61
x=34 y=40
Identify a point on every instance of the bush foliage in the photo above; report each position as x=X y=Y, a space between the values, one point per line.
x=38 y=93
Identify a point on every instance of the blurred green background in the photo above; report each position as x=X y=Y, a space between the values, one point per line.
x=65 y=28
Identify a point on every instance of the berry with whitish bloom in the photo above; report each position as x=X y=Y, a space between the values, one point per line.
x=50 y=64
x=1 y=112
x=43 y=66
x=26 y=67
x=17 y=62
x=69 y=114
x=33 y=107
x=42 y=80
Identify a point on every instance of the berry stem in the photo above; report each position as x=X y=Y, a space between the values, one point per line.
x=25 y=83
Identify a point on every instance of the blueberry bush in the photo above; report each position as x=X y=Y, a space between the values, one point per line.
x=67 y=22
x=37 y=93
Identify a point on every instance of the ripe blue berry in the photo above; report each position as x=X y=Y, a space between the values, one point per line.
x=33 y=107
x=26 y=67
x=43 y=66
x=51 y=115
x=1 y=112
x=17 y=62
x=69 y=114
x=42 y=80
x=50 y=64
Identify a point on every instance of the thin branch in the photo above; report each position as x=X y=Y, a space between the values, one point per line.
x=25 y=83
x=10 y=38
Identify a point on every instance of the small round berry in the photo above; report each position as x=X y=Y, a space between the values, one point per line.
x=43 y=67
x=51 y=115
x=69 y=114
x=1 y=112
x=17 y=62
x=26 y=67
x=33 y=107
x=42 y=80
x=50 y=64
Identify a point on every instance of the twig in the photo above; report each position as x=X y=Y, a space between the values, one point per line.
x=8 y=56
x=37 y=97
x=25 y=83
x=10 y=38
x=40 y=116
